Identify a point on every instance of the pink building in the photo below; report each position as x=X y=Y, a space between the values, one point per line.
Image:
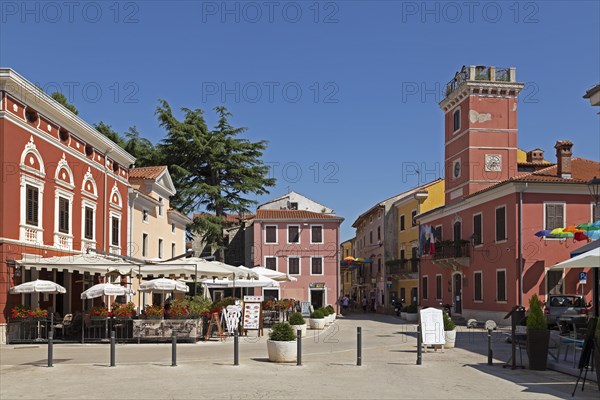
x=303 y=244
x=487 y=257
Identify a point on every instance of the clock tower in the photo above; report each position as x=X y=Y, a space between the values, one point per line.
x=480 y=129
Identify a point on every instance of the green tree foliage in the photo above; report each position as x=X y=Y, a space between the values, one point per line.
x=108 y=131
x=142 y=149
x=62 y=99
x=212 y=169
x=536 y=318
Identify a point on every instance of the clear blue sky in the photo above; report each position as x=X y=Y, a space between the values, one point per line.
x=367 y=71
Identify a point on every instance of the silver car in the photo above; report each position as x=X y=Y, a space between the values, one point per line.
x=565 y=305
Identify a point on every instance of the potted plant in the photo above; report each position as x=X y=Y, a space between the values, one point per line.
x=449 y=331
x=178 y=310
x=331 y=312
x=538 y=335
x=281 y=345
x=317 y=320
x=298 y=322
x=328 y=315
x=412 y=313
x=19 y=313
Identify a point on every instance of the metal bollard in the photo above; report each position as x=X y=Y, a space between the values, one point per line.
x=490 y=353
x=419 y=346
x=299 y=347
x=236 y=348
x=358 y=346
x=50 y=349
x=174 y=349
x=112 y=348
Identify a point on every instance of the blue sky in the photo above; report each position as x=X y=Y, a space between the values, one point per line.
x=345 y=92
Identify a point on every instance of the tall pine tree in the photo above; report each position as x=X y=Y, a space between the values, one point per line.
x=214 y=170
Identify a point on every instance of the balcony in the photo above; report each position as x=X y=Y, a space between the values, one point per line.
x=403 y=269
x=480 y=73
x=452 y=254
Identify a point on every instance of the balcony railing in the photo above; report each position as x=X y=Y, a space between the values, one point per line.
x=452 y=250
x=410 y=266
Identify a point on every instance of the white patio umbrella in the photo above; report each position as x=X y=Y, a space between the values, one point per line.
x=590 y=259
x=275 y=275
x=106 y=289
x=38 y=286
x=163 y=285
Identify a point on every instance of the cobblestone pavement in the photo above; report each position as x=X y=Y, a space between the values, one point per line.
x=329 y=371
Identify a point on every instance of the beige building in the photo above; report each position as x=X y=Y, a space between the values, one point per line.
x=156 y=231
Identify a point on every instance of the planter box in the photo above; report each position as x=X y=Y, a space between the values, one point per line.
x=537 y=348
x=403 y=315
x=410 y=317
x=301 y=327
x=450 y=339
x=317 y=323
x=281 y=352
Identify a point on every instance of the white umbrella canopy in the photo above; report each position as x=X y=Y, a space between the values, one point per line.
x=38 y=286
x=275 y=275
x=106 y=289
x=163 y=285
x=590 y=259
x=192 y=266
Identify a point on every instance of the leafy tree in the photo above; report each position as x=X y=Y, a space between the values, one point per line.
x=62 y=99
x=211 y=169
x=108 y=131
x=142 y=149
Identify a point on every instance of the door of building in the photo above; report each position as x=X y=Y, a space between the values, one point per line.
x=414 y=296
x=457 y=293
x=316 y=298
x=403 y=295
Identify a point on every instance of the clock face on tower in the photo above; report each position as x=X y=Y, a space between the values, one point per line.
x=493 y=162
x=456 y=169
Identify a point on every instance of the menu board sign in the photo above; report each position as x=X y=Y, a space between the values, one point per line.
x=432 y=327
x=254 y=298
x=252 y=315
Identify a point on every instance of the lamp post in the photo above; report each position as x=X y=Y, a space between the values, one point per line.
x=594 y=188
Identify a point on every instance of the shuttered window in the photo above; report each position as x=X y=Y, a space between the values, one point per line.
x=316 y=266
x=115 y=231
x=63 y=215
x=294 y=266
x=293 y=234
x=477 y=230
x=501 y=224
x=317 y=234
x=501 y=285
x=438 y=287
x=89 y=223
x=555 y=213
x=271 y=234
x=425 y=288
x=478 y=286
x=31 y=205
x=271 y=263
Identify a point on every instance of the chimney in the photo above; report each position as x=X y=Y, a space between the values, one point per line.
x=563 y=158
x=535 y=156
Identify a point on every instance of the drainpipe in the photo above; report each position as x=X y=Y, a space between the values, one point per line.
x=133 y=199
x=520 y=244
x=105 y=205
x=337 y=269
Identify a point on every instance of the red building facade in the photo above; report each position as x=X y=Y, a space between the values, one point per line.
x=488 y=258
x=64 y=189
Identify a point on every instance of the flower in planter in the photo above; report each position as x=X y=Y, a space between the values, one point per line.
x=154 y=311
x=19 y=312
x=98 y=311
x=178 y=309
x=38 y=313
x=123 y=310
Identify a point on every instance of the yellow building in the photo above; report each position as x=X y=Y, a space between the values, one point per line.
x=404 y=269
x=346 y=274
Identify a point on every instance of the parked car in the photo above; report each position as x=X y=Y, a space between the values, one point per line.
x=561 y=305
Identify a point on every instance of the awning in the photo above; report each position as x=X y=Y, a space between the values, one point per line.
x=590 y=259
x=91 y=263
x=189 y=267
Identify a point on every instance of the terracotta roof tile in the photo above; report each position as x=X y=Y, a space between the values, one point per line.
x=293 y=214
x=582 y=171
x=146 y=172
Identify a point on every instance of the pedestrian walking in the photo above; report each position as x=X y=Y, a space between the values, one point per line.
x=364 y=304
